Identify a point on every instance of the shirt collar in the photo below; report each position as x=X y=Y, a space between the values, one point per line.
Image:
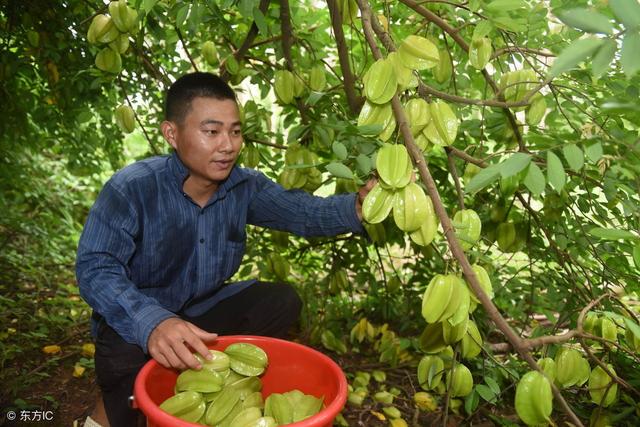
x=181 y=173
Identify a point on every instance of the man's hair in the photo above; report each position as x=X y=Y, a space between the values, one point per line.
x=190 y=86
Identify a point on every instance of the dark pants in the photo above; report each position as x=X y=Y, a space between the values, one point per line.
x=267 y=309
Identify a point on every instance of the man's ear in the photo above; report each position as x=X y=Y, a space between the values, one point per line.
x=170 y=132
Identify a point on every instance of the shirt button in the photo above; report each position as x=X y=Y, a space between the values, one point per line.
x=201 y=240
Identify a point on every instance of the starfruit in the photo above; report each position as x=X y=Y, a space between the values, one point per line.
x=246 y=359
x=536 y=110
x=394 y=165
x=222 y=406
x=377 y=204
x=418 y=53
x=437 y=297
x=602 y=389
x=405 y=76
x=246 y=417
x=468 y=227
x=570 y=368
x=425 y=401
x=244 y=385
x=210 y=52
x=125 y=118
x=376 y=232
x=459 y=304
x=418 y=114
x=427 y=231
x=284 y=86
x=291 y=178
x=384 y=397
x=263 y=422
x=109 y=60
x=392 y=412
x=410 y=208
x=219 y=362
x=279 y=407
x=397 y=422
x=430 y=371
x=480 y=52
x=250 y=156
x=633 y=341
x=203 y=381
x=515 y=85
x=534 y=400
x=431 y=340
x=317 y=78
x=459 y=381
x=607 y=329
x=187 y=406
x=121 y=44
x=380 y=83
x=298 y=86
x=443 y=127
x=454 y=333
x=548 y=366
x=506 y=232
x=304 y=405
x=278 y=265
x=442 y=72
x=338 y=281
x=124 y=17
x=102 y=30
x=471 y=344
x=483 y=280
x=373 y=114
x=348 y=11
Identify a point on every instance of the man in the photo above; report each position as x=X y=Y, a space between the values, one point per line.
x=166 y=233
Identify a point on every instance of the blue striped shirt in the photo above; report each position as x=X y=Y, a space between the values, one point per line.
x=148 y=251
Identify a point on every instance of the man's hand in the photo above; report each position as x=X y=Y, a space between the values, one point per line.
x=168 y=344
x=362 y=193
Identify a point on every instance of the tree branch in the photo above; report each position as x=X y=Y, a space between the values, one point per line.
x=354 y=101
x=144 y=131
x=456 y=180
x=454 y=244
x=519 y=49
x=184 y=46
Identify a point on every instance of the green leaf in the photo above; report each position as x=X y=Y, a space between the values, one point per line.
x=471 y=402
x=501 y=6
x=510 y=24
x=339 y=150
x=630 y=53
x=482 y=29
x=593 y=151
x=602 y=59
x=555 y=172
x=514 y=164
x=261 y=22
x=586 y=20
x=574 y=156
x=612 y=234
x=627 y=12
x=181 y=15
x=574 y=54
x=633 y=327
x=534 y=180
x=339 y=170
x=486 y=393
x=147 y=5
x=493 y=385
x=636 y=255
x=373 y=129
x=483 y=178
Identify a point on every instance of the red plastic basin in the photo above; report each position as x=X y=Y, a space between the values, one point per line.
x=291 y=366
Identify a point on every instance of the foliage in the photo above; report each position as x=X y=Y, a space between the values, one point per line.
x=557 y=196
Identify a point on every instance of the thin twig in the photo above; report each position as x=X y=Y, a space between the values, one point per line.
x=184 y=46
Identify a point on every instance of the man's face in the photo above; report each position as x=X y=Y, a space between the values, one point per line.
x=209 y=139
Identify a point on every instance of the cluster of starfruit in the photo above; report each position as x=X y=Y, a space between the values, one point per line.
x=446 y=305
x=288 y=85
x=383 y=398
x=278 y=265
x=113 y=30
x=468 y=227
x=299 y=171
x=226 y=393
x=412 y=209
x=433 y=124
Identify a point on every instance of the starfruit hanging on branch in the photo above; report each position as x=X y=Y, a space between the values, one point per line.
x=418 y=114
x=427 y=231
x=284 y=86
x=418 y=53
x=377 y=205
x=394 y=165
x=380 y=83
x=515 y=85
x=410 y=208
x=382 y=115
x=443 y=127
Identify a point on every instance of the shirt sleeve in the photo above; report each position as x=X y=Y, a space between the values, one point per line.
x=302 y=213
x=105 y=248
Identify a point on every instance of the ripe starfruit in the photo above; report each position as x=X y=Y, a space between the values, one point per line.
x=535 y=111
x=187 y=406
x=443 y=127
x=246 y=359
x=418 y=53
x=468 y=226
x=471 y=344
x=394 y=165
x=410 y=208
x=430 y=371
x=102 y=30
x=534 y=400
x=442 y=72
x=317 y=78
x=374 y=114
x=125 y=118
x=210 y=52
x=380 y=83
x=405 y=76
x=124 y=17
x=438 y=296
x=377 y=205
